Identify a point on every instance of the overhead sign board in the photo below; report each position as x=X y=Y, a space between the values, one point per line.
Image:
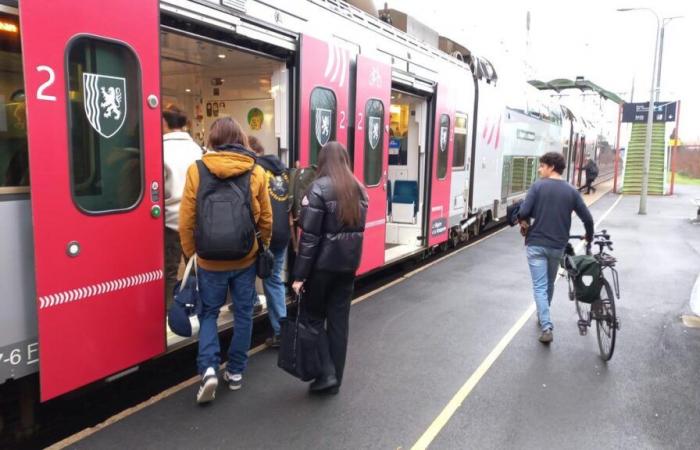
x=637 y=112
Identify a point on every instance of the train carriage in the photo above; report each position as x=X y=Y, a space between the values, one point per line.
x=429 y=136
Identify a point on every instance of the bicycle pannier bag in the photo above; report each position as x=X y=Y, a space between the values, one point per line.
x=587 y=284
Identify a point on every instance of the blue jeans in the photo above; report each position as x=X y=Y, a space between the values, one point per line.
x=275 y=291
x=213 y=287
x=544 y=263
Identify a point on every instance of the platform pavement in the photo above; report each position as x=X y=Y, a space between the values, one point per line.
x=413 y=345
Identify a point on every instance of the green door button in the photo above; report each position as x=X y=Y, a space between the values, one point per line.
x=155 y=211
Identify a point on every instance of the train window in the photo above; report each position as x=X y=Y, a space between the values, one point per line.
x=104 y=111
x=323 y=114
x=460 y=150
x=374 y=142
x=443 y=145
x=14 y=158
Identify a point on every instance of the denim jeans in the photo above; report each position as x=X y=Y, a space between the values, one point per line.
x=275 y=291
x=213 y=287
x=543 y=262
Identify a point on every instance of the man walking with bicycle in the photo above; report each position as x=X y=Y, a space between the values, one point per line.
x=550 y=202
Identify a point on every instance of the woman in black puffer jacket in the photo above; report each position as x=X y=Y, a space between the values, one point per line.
x=332 y=221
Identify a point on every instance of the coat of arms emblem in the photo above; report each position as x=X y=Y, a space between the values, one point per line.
x=104 y=98
x=323 y=125
x=443 y=139
x=374 y=124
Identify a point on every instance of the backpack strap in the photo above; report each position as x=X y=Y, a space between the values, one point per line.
x=245 y=180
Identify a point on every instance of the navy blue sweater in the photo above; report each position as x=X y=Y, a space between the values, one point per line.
x=550 y=202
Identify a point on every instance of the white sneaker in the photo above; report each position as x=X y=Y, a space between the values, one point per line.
x=207 y=387
x=234 y=380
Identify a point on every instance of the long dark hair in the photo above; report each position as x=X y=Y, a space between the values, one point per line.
x=226 y=131
x=334 y=162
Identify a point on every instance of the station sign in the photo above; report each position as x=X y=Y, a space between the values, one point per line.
x=637 y=112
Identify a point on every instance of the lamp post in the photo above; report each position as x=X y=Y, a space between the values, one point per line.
x=650 y=114
x=661 y=53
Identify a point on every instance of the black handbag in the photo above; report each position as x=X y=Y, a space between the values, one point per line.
x=265 y=260
x=299 y=353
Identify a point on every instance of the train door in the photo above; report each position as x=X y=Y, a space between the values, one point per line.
x=440 y=174
x=324 y=86
x=406 y=184
x=94 y=128
x=371 y=156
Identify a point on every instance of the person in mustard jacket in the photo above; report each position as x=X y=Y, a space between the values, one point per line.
x=229 y=157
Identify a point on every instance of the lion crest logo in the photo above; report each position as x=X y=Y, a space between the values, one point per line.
x=323 y=125
x=104 y=98
x=374 y=131
x=443 y=138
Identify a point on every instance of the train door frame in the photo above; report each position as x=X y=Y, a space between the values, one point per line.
x=206 y=34
x=424 y=90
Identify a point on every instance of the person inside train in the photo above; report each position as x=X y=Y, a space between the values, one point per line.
x=550 y=202
x=224 y=204
x=277 y=176
x=179 y=152
x=332 y=221
x=591 y=169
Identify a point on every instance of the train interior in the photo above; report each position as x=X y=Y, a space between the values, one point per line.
x=406 y=175
x=211 y=81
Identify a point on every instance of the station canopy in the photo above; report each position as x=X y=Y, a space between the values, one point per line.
x=560 y=84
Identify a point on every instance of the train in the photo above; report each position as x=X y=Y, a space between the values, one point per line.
x=438 y=146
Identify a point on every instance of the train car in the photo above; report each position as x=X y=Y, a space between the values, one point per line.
x=80 y=110
x=84 y=251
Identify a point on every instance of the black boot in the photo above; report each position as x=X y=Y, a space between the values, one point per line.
x=325 y=384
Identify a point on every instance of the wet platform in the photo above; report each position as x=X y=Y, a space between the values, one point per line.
x=414 y=345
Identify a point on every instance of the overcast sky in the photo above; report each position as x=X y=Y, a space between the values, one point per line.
x=589 y=38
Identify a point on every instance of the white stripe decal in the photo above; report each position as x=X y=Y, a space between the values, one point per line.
x=375 y=223
x=338 y=63
x=345 y=68
x=329 y=60
x=94 y=290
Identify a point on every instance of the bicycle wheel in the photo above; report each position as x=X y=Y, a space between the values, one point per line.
x=606 y=321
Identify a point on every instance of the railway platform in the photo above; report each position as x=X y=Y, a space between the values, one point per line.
x=447 y=357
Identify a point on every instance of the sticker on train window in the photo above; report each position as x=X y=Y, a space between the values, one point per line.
x=104 y=98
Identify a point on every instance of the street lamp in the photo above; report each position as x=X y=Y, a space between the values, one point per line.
x=655 y=93
x=650 y=115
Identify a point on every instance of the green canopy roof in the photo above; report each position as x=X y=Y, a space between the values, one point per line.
x=559 y=84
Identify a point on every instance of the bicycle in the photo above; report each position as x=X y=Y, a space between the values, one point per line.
x=594 y=301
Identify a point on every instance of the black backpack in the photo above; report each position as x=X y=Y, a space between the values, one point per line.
x=224 y=230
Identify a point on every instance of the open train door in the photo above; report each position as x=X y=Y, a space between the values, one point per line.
x=324 y=73
x=441 y=172
x=94 y=126
x=372 y=104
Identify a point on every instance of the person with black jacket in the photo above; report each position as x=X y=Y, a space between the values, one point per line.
x=277 y=177
x=591 y=169
x=332 y=220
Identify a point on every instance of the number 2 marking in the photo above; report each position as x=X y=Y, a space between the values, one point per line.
x=342 y=120
x=359 y=122
x=52 y=77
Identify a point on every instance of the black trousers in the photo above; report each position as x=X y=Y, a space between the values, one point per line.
x=327 y=300
x=173 y=254
x=589 y=185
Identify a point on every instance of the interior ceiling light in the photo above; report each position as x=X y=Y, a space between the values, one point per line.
x=188 y=90
x=222 y=56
